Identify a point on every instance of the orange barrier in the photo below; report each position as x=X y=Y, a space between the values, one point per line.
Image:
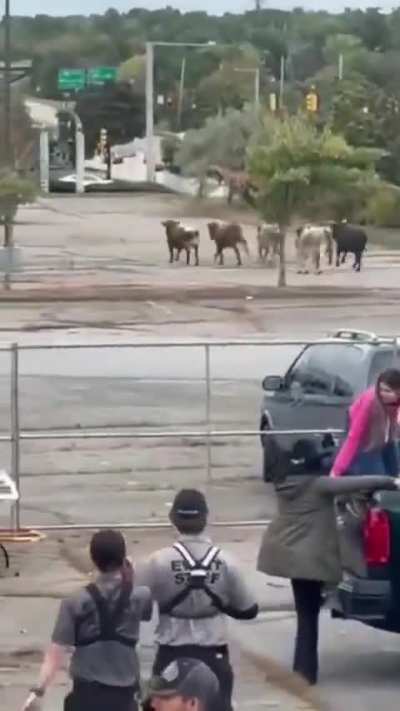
x=22 y=535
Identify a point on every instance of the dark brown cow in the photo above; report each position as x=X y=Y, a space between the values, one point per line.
x=227 y=235
x=181 y=238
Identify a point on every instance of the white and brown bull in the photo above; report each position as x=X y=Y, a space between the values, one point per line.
x=227 y=235
x=310 y=240
x=181 y=238
x=268 y=241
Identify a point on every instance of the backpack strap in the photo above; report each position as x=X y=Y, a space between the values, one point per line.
x=109 y=619
x=186 y=555
x=209 y=557
x=203 y=565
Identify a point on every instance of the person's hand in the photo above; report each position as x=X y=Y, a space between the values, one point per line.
x=32 y=703
x=127 y=570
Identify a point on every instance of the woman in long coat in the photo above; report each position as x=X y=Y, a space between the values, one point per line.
x=301 y=543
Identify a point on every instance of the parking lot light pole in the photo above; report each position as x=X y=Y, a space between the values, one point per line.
x=150 y=157
x=256 y=72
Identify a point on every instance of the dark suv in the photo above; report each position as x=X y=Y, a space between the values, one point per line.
x=316 y=391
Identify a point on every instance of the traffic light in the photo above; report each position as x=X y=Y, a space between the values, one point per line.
x=312 y=102
x=103 y=138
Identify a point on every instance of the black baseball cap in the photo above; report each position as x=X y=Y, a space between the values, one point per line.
x=190 y=503
x=190 y=678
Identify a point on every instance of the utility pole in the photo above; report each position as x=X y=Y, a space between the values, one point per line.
x=257 y=89
x=8 y=148
x=282 y=81
x=340 y=66
x=181 y=93
x=150 y=162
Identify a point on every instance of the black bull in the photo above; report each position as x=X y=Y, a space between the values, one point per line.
x=349 y=238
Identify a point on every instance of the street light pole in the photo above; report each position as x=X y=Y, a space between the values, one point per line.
x=8 y=151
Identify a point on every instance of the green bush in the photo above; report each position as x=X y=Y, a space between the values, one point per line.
x=383 y=209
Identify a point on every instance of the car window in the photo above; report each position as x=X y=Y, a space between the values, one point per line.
x=332 y=369
x=381 y=361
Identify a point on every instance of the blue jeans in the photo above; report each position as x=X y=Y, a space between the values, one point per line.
x=378 y=462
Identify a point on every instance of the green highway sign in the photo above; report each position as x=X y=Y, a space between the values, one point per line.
x=98 y=76
x=71 y=79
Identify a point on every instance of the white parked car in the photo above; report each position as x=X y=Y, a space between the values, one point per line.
x=88 y=179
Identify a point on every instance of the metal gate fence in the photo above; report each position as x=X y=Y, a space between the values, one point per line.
x=18 y=435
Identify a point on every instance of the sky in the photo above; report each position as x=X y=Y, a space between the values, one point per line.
x=33 y=7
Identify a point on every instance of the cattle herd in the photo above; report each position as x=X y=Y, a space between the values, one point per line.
x=311 y=243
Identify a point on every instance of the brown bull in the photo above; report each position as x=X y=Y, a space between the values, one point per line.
x=227 y=235
x=181 y=238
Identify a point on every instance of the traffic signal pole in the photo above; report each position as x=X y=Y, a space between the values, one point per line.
x=44 y=162
x=79 y=156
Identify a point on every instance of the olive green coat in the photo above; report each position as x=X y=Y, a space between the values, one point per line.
x=302 y=541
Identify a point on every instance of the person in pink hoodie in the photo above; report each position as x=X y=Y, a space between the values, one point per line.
x=370 y=445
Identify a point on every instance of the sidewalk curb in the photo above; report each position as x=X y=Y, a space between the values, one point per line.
x=285 y=680
x=115 y=292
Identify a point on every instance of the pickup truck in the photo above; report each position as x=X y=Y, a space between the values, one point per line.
x=314 y=394
x=369 y=538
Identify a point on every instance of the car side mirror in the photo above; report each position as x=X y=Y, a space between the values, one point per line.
x=272 y=383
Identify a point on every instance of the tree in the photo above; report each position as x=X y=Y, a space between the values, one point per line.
x=23 y=135
x=222 y=141
x=355 y=111
x=133 y=71
x=14 y=191
x=116 y=107
x=299 y=169
x=227 y=87
x=349 y=46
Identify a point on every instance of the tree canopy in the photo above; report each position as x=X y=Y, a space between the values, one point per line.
x=310 y=42
x=223 y=140
x=115 y=107
x=301 y=172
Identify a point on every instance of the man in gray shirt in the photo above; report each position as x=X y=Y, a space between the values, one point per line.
x=196 y=586
x=101 y=624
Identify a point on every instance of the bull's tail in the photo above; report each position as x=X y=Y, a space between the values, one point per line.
x=243 y=242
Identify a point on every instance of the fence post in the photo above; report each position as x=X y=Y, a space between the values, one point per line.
x=15 y=433
x=208 y=411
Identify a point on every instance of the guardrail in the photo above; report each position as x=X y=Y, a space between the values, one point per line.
x=18 y=435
